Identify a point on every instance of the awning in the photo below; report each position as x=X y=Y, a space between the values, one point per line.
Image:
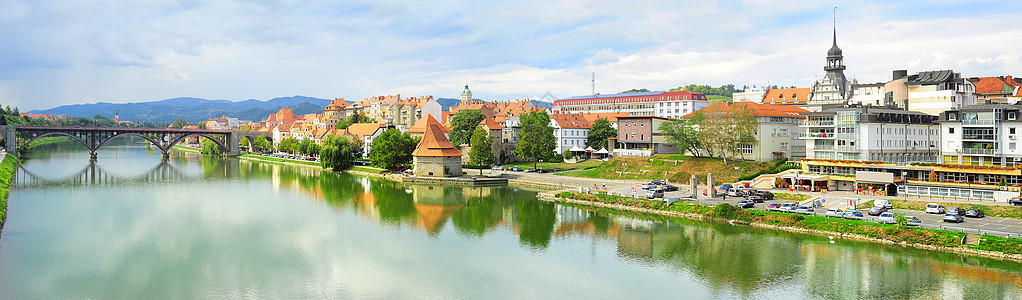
x=590 y=149
x=576 y=149
x=803 y=176
x=602 y=151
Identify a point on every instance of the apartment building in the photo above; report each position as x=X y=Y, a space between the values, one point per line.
x=777 y=129
x=982 y=135
x=872 y=134
x=658 y=104
x=570 y=130
x=996 y=90
x=930 y=92
x=639 y=136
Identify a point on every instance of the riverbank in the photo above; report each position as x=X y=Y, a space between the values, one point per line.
x=920 y=238
x=7 y=167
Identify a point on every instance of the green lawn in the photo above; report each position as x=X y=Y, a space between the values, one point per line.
x=559 y=166
x=674 y=167
x=1000 y=211
x=7 y=167
x=371 y=170
x=274 y=159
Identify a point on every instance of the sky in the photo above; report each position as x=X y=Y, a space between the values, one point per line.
x=67 y=52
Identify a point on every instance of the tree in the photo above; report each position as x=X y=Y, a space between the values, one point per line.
x=899 y=217
x=599 y=132
x=462 y=125
x=392 y=149
x=179 y=123
x=339 y=153
x=537 y=138
x=303 y=146
x=202 y=125
x=288 y=145
x=684 y=133
x=262 y=144
x=482 y=149
x=209 y=147
x=726 y=128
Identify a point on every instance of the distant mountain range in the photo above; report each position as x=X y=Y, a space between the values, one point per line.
x=192 y=109
x=199 y=109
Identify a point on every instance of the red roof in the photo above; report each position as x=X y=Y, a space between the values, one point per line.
x=490 y=124
x=421 y=124
x=337 y=104
x=364 y=129
x=570 y=121
x=434 y=143
x=787 y=96
x=996 y=85
x=759 y=110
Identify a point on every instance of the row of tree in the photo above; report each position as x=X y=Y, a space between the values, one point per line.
x=724 y=90
x=715 y=132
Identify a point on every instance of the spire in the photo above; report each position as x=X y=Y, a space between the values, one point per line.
x=834 y=50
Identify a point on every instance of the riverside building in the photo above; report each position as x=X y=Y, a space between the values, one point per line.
x=658 y=104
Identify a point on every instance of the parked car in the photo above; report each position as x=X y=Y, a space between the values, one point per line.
x=745 y=204
x=765 y=195
x=953 y=218
x=934 y=208
x=787 y=207
x=748 y=192
x=913 y=221
x=955 y=210
x=876 y=210
x=516 y=169
x=530 y=170
x=883 y=203
x=805 y=210
x=649 y=185
x=886 y=217
x=1015 y=201
x=755 y=199
x=772 y=206
x=498 y=168
x=833 y=212
x=733 y=192
x=654 y=193
x=669 y=188
x=852 y=215
x=974 y=213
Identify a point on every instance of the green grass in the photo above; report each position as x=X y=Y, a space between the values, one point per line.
x=281 y=160
x=370 y=170
x=674 y=167
x=48 y=140
x=559 y=166
x=1001 y=244
x=792 y=197
x=999 y=211
x=6 y=174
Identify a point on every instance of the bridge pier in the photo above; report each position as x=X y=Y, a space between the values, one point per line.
x=165 y=155
x=92 y=155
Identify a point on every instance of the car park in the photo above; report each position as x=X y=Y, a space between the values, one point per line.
x=955 y=210
x=745 y=204
x=748 y=192
x=953 y=218
x=733 y=192
x=530 y=170
x=765 y=195
x=975 y=213
x=852 y=215
x=755 y=199
x=805 y=210
x=772 y=206
x=787 y=207
x=934 y=208
x=876 y=210
x=913 y=221
x=654 y=193
x=886 y=217
x=498 y=168
x=833 y=212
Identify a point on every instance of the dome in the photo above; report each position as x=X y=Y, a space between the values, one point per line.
x=467 y=92
x=834 y=51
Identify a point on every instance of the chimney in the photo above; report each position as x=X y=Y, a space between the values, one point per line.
x=899 y=74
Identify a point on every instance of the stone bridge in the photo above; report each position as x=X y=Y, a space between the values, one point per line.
x=16 y=139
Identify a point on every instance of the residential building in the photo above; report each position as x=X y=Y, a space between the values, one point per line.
x=872 y=134
x=405 y=113
x=790 y=96
x=365 y=132
x=284 y=116
x=996 y=90
x=982 y=135
x=638 y=136
x=869 y=94
x=659 y=104
x=754 y=94
x=338 y=108
x=218 y=123
x=930 y=92
x=776 y=133
x=570 y=130
x=435 y=156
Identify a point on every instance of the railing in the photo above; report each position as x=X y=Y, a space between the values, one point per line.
x=977 y=122
x=978 y=137
x=978 y=151
x=817 y=123
x=823 y=135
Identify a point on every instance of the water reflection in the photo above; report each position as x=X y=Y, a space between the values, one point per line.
x=221 y=227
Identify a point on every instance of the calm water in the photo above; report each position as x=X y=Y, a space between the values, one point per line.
x=131 y=226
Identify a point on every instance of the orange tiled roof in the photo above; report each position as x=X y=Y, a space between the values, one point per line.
x=490 y=124
x=787 y=96
x=337 y=104
x=364 y=129
x=434 y=143
x=570 y=120
x=757 y=109
x=421 y=124
x=612 y=117
x=995 y=85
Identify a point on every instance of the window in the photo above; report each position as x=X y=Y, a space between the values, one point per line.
x=784 y=146
x=951 y=130
x=1011 y=146
x=745 y=148
x=952 y=116
x=1011 y=130
x=1011 y=115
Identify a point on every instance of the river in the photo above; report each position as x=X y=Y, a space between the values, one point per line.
x=132 y=226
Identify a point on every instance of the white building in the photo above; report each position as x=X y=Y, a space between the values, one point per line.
x=659 y=104
x=872 y=134
x=750 y=95
x=570 y=130
x=868 y=94
x=982 y=135
x=930 y=92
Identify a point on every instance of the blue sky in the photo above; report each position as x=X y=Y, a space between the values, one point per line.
x=65 y=52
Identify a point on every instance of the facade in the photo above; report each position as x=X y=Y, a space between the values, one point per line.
x=405 y=113
x=777 y=130
x=930 y=92
x=750 y=95
x=366 y=132
x=659 y=104
x=791 y=96
x=435 y=156
x=996 y=90
x=982 y=135
x=338 y=108
x=834 y=88
x=638 y=136
x=284 y=116
x=570 y=130
x=870 y=94
x=872 y=134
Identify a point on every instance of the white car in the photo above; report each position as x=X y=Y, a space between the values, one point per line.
x=804 y=210
x=913 y=221
x=883 y=203
x=787 y=207
x=833 y=212
x=934 y=208
x=886 y=217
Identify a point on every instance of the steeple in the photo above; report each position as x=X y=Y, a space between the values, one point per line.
x=834 y=86
x=834 y=50
x=466 y=95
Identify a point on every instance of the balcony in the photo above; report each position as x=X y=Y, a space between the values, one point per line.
x=816 y=135
x=978 y=151
x=985 y=137
x=808 y=123
x=977 y=122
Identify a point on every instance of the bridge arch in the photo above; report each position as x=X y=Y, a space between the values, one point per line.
x=178 y=140
x=29 y=142
x=150 y=139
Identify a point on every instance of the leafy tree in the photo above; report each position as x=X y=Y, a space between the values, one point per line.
x=599 y=132
x=288 y=145
x=358 y=118
x=339 y=153
x=635 y=91
x=482 y=148
x=303 y=146
x=262 y=144
x=462 y=125
x=899 y=217
x=684 y=133
x=537 y=138
x=567 y=155
x=202 y=125
x=209 y=147
x=312 y=149
x=725 y=128
x=392 y=149
x=179 y=123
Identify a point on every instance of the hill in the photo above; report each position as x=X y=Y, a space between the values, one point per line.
x=192 y=109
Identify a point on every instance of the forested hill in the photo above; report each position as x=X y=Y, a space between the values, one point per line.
x=192 y=109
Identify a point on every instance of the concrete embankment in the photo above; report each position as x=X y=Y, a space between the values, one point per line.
x=552 y=196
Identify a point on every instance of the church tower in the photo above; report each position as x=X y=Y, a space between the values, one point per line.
x=834 y=88
x=466 y=95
